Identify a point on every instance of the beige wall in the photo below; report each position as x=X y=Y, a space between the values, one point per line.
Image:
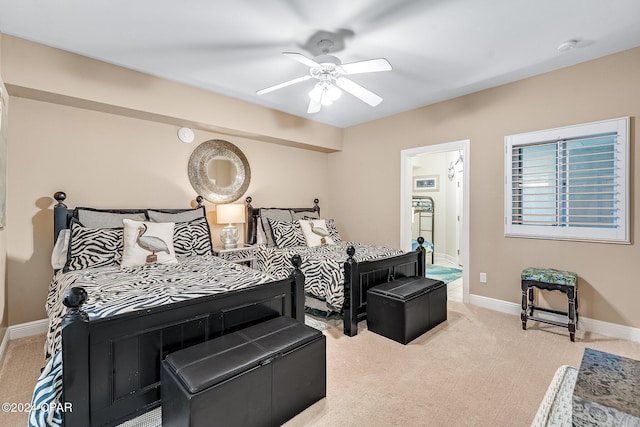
x=105 y=160
x=107 y=137
x=101 y=140
x=369 y=164
x=3 y=238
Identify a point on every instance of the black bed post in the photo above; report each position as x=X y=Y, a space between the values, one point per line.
x=422 y=257
x=59 y=214
x=297 y=279
x=75 y=357
x=251 y=227
x=351 y=295
x=316 y=207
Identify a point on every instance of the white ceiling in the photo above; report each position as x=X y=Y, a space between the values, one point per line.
x=439 y=49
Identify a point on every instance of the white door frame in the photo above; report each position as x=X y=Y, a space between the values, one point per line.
x=406 y=190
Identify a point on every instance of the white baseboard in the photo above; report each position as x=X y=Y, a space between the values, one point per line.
x=28 y=329
x=20 y=331
x=443 y=259
x=613 y=330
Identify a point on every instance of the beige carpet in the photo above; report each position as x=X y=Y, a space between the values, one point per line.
x=20 y=370
x=477 y=369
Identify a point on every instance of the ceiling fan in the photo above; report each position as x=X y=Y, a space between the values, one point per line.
x=332 y=74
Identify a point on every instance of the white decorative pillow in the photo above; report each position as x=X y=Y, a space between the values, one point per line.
x=331 y=228
x=315 y=232
x=59 y=253
x=148 y=243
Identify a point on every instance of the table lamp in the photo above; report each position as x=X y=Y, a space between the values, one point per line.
x=230 y=214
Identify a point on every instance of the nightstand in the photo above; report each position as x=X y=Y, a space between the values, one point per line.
x=243 y=254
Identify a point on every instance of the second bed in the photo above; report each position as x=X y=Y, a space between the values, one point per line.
x=337 y=273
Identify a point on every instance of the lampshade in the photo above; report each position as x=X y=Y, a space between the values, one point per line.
x=230 y=214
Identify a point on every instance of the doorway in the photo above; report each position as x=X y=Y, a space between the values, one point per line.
x=438 y=175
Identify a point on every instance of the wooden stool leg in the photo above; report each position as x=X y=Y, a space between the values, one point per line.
x=523 y=313
x=575 y=297
x=572 y=314
x=530 y=301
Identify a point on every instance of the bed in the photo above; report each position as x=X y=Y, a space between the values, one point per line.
x=337 y=273
x=111 y=325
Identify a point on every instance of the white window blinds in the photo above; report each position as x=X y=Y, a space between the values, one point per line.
x=569 y=183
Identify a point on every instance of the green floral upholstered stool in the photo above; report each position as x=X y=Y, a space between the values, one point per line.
x=551 y=280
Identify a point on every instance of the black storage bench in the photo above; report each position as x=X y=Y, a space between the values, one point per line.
x=259 y=376
x=406 y=308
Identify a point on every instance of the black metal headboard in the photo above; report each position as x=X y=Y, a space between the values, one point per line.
x=62 y=215
x=254 y=213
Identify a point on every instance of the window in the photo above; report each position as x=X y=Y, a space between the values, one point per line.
x=569 y=183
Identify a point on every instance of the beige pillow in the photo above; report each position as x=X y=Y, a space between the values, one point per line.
x=321 y=232
x=96 y=218
x=261 y=237
x=147 y=243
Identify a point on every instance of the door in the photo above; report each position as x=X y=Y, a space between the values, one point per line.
x=459 y=216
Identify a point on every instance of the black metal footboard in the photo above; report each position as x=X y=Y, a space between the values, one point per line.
x=111 y=366
x=360 y=276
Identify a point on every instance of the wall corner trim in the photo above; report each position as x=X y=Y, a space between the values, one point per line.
x=3 y=346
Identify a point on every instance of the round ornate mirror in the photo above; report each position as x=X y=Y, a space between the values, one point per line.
x=219 y=171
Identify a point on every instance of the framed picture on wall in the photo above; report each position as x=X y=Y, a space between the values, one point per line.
x=425 y=183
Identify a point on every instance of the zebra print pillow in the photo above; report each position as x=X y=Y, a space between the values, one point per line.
x=287 y=234
x=333 y=230
x=93 y=247
x=273 y=214
x=192 y=237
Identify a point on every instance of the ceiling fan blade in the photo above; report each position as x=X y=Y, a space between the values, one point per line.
x=285 y=84
x=358 y=91
x=302 y=59
x=368 y=66
x=314 y=106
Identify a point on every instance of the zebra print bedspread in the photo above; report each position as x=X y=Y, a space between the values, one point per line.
x=112 y=290
x=323 y=267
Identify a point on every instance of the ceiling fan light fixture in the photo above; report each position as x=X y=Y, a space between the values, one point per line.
x=325 y=93
x=332 y=92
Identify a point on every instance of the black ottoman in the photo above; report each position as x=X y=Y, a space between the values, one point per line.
x=406 y=308
x=259 y=376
